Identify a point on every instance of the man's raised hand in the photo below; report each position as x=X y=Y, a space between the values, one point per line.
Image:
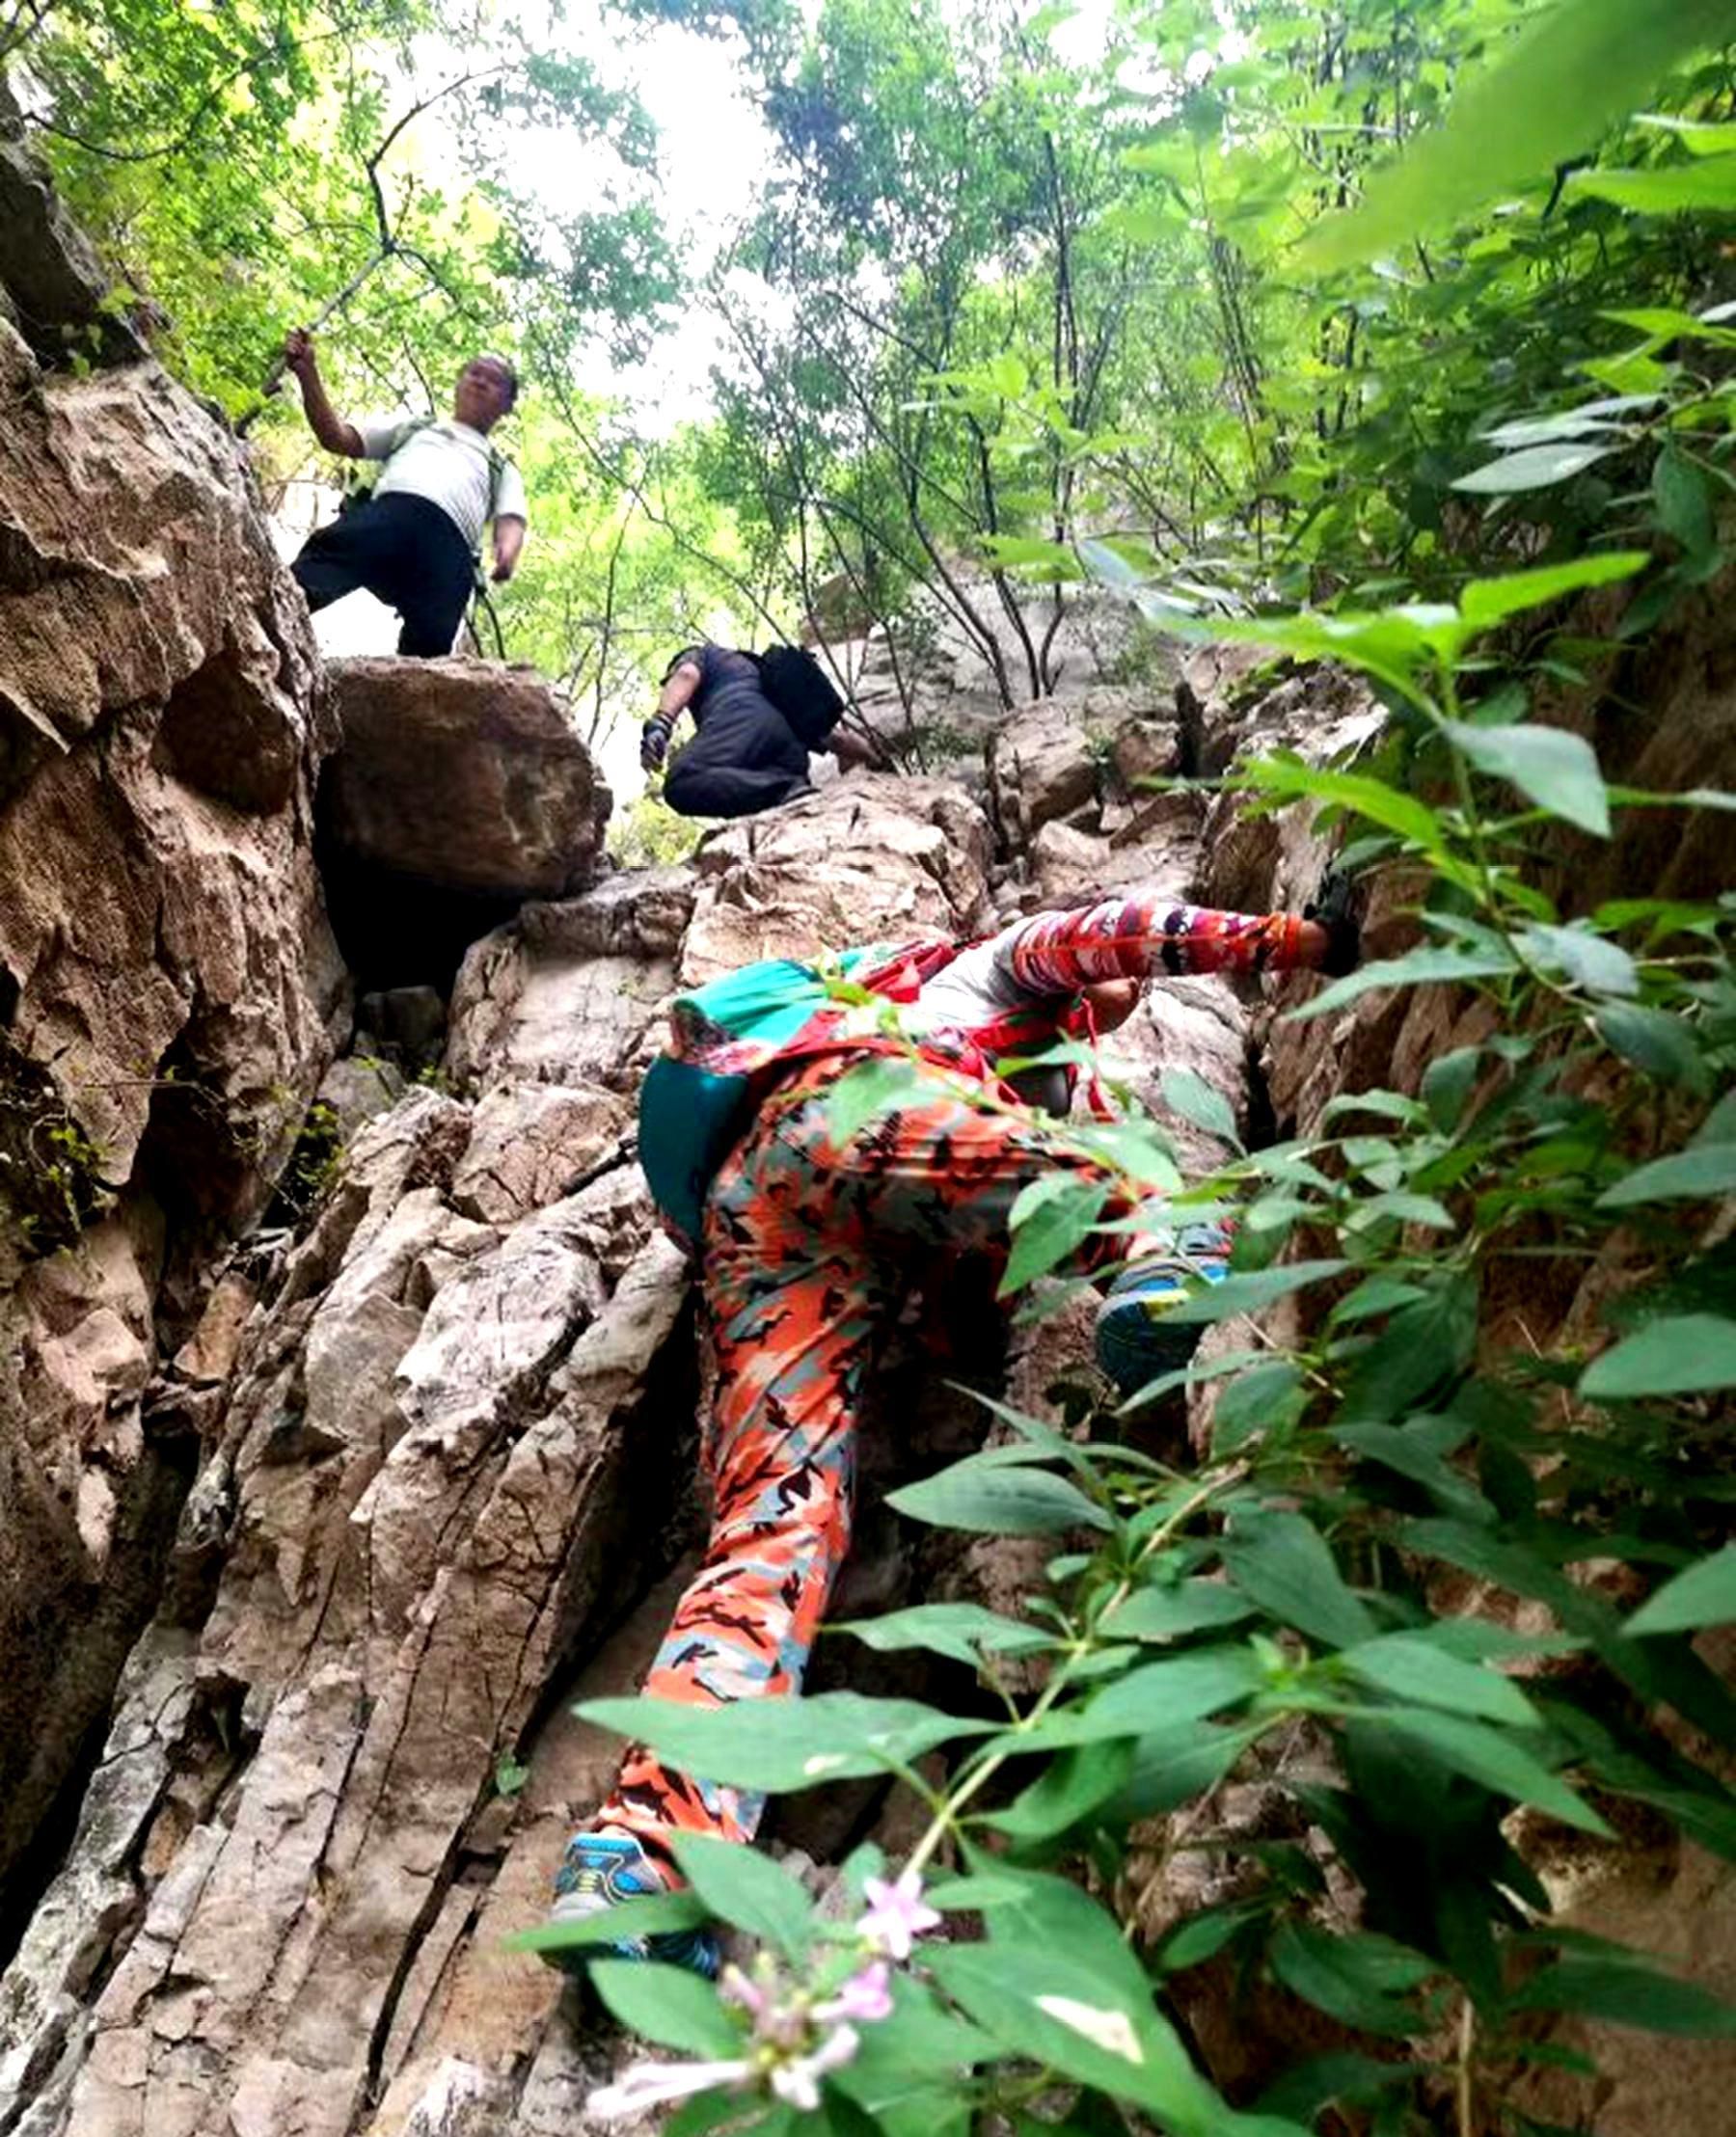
x=298 y=352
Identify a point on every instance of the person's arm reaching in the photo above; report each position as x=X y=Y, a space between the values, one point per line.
x=1149 y=936
x=508 y=540
x=677 y=693
x=334 y=433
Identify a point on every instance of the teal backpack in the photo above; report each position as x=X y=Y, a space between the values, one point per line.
x=730 y=1039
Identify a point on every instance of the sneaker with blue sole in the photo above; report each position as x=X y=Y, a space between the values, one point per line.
x=1136 y=1340
x=600 y=1871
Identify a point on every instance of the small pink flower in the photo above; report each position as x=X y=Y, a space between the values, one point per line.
x=647 y=2085
x=797 y=2080
x=738 y=1989
x=897 y=1914
x=865 y=1997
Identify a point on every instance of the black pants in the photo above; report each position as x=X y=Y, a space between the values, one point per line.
x=408 y=554
x=737 y=763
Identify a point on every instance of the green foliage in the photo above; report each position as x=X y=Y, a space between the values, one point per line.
x=315 y=1164
x=1306 y=1585
x=51 y=1173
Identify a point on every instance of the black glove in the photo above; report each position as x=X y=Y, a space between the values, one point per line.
x=1331 y=907
x=654 y=743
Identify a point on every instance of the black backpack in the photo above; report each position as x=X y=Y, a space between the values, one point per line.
x=802 y=690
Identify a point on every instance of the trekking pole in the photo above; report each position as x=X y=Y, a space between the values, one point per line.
x=272 y=381
x=482 y=600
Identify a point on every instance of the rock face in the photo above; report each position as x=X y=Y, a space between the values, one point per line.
x=385 y=1487
x=168 y=985
x=455 y=1447
x=464 y=774
x=459 y=790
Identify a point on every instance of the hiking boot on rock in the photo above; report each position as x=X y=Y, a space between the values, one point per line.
x=600 y=1871
x=1136 y=1341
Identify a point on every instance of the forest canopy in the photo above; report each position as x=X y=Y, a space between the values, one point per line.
x=1018 y=298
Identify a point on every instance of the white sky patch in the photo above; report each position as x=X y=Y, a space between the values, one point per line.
x=714 y=149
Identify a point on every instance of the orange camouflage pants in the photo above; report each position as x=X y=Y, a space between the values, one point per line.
x=807 y=1250
x=808 y=1247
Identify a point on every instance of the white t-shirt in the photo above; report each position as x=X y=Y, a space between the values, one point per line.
x=446 y=462
x=978 y=988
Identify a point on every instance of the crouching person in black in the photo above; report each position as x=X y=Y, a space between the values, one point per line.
x=756 y=717
x=415 y=542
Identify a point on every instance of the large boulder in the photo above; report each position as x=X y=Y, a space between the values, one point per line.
x=867 y=859
x=52 y=285
x=462 y=774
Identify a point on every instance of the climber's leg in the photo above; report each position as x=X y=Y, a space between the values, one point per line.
x=791 y=1307
x=739 y=761
x=1142 y=936
x=728 y=790
x=435 y=581
x=944 y=1171
x=334 y=561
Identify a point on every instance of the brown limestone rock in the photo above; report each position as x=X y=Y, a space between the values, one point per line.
x=168 y=983
x=871 y=858
x=1062 y=758
x=465 y=774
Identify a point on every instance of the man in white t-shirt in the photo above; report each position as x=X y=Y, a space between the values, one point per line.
x=416 y=540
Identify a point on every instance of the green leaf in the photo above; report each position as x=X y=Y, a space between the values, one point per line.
x=1416 y=968
x=1359 y=1980
x=1626 y=1995
x=1679 y=1354
x=1486 y=602
x=1448 y=1083
x=1163 y=1695
x=1169 y=1614
x=1424 y=1344
x=1043 y=2003
x=999 y=1501
x=1589 y=961
x=1051 y=560
x=1493 y=1760
x=1337 y=2078
x=1068 y=1789
x=1191 y=1097
x=746 y=1888
x=1682 y=499
x=1248 y=1292
x=1410 y=1667
x=863 y=1092
x=1202 y=1936
x=782 y=1743
x=1392 y=643
x=1709 y=183
x=1699 y=137
x=1549 y=93
x=1177 y=1765
x=1656 y=1042
x=1046 y=1232
x=1281 y=1561
x=651 y=1917
x=965 y=1632
x=1283 y=774
x=1266 y=1400
x=1694 y=1174
x=1556 y=771
x=1704 y=1594
x=667 y=2004
x=1535 y=468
